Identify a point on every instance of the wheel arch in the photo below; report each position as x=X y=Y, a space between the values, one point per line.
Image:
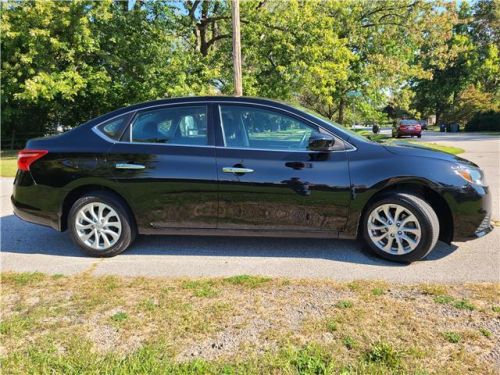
x=78 y=192
x=427 y=193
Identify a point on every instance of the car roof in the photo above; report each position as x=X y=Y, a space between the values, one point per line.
x=193 y=99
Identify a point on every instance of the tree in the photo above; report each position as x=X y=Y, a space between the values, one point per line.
x=464 y=74
x=64 y=63
x=47 y=54
x=319 y=52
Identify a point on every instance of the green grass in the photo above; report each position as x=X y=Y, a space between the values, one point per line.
x=439 y=147
x=444 y=300
x=201 y=288
x=344 y=304
x=464 y=304
x=378 y=291
x=331 y=325
x=247 y=280
x=380 y=138
x=452 y=337
x=349 y=342
x=485 y=332
x=23 y=278
x=8 y=163
x=119 y=316
x=383 y=352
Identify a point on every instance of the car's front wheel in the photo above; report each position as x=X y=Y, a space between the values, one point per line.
x=101 y=225
x=401 y=227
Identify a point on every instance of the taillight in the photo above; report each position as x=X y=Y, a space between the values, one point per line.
x=27 y=157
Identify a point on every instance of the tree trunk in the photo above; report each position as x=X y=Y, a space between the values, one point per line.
x=340 y=117
x=238 y=88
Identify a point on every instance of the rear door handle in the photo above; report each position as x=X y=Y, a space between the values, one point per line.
x=236 y=170
x=129 y=166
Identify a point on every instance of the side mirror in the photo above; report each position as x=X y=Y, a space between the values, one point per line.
x=321 y=142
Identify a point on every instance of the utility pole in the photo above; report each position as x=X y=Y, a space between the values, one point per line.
x=238 y=89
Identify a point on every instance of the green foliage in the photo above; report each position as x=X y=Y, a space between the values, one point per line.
x=484 y=121
x=464 y=69
x=64 y=63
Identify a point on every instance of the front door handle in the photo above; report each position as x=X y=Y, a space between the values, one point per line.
x=236 y=170
x=129 y=166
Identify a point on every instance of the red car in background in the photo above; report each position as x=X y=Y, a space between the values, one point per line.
x=407 y=127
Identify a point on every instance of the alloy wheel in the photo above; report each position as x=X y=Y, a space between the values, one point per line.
x=394 y=229
x=98 y=225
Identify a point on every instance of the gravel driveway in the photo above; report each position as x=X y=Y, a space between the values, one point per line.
x=27 y=247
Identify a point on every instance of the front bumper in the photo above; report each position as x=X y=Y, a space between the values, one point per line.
x=472 y=213
x=485 y=227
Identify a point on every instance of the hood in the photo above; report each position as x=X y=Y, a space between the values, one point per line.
x=407 y=149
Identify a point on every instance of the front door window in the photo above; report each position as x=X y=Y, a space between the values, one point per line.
x=247 y=127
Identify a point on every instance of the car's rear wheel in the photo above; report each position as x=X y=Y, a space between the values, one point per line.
x=101 y=225
x=419 y=136
x=401 y=227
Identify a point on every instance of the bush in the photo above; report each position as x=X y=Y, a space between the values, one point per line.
x=484 y=121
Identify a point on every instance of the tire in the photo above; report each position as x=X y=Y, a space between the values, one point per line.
x=419 y=136
x=426 y=221
x=119 y=220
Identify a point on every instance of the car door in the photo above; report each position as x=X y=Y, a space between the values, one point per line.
x=270 y=181
x=165 y=164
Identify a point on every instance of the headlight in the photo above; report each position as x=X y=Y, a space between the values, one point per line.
x=470 y=174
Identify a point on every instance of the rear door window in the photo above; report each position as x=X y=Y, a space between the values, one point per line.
x=114 y=127
x=186 y=125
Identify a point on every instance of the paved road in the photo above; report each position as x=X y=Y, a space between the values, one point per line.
x=27 y=247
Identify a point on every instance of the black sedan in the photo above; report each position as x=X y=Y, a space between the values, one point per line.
x=244 y=167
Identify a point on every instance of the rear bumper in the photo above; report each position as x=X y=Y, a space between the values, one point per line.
x=410 y=132
x=32 y=215
x=34 y=203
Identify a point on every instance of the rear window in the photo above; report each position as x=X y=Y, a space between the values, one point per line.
x=114 y=127
x=408 y=122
